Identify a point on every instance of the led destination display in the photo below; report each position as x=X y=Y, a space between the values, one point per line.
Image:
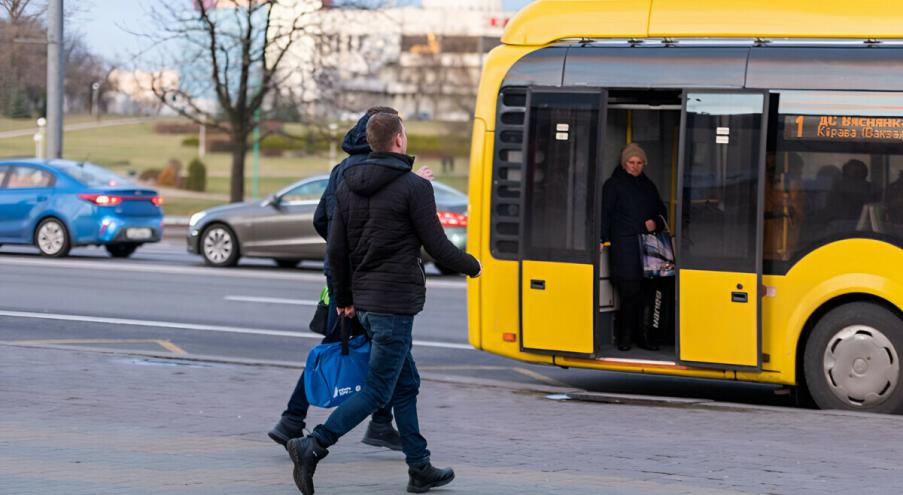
x=843 y=128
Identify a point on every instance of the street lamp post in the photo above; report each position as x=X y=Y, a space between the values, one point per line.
x=95 y=87
x=332 y=144
x=39 y=138
x=55 y=71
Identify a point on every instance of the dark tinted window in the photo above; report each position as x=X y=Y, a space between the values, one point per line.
x=834 y=170
x=721 y=174
x=507 y=175
x=309 y=191
x=3 y=170
x=23 y=177
x=561 y=157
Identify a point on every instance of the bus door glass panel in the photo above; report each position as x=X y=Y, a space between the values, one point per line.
x=558 y=273
x=719 y=260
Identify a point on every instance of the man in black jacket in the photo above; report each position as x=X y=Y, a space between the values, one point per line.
x=380 y=432
x=384 y=214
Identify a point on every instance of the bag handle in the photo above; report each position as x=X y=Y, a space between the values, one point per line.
x=665 y=223
x=344 y=334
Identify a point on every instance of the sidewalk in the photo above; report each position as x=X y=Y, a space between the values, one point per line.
x=76 y=422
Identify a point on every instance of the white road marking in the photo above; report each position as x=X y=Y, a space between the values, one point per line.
x=125 y=266
x=201 y=328
x=271 y=300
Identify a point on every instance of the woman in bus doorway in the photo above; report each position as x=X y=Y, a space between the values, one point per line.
x=631 y=205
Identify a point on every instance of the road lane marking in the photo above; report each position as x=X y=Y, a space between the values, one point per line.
x=169 y=346
x=272 y=300
x=538 y=376
x=240 y=272
x=201 y=328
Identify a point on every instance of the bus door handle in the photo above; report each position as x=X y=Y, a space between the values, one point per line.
x=538 y=284
x=739 y=297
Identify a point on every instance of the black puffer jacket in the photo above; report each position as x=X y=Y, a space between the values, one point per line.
x=627 y=202
x=384 y=214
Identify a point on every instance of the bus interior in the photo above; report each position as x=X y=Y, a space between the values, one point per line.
x=651 y=119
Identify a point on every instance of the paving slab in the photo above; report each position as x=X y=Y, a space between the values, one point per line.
x=79 y=422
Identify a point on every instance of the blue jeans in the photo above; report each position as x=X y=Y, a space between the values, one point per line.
x=297 y=403
x=392 y=380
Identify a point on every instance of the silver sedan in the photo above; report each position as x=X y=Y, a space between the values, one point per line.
x=281 y=226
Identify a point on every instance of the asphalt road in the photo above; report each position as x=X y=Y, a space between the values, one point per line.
x=165 y=300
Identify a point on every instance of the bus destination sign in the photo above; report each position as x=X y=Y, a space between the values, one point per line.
x=843 y=128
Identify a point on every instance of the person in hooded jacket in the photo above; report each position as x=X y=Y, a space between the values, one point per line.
x=380 y=432
x=631 y=205
x=384 y=215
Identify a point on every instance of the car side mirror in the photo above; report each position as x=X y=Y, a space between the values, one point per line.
x=272 y=200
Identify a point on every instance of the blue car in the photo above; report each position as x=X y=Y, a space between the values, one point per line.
x=57 y=205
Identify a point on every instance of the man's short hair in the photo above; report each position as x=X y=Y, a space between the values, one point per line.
x=375 y=110
x=382 y=129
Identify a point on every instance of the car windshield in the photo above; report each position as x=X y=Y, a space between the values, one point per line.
x=448 y=195
x=94 y=176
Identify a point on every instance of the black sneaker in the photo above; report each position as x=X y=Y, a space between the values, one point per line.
x=422 y=478
x=382 y=435
x=305 y=453
x=287 y=428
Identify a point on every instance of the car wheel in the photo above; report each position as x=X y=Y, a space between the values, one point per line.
x=121 y=250
x=286 y=263
x=446 y=270
x=52 y=238
x=852 y=359
x=219 y=246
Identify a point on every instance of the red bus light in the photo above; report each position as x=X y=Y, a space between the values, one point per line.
x=451 y=219
x=157 y=200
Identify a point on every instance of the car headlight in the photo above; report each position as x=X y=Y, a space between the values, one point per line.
x=196 y=218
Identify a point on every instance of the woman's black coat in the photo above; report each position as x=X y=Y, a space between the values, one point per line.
x=627 y=202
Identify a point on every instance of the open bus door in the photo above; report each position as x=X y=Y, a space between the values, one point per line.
x=559 y=215
x=721 y=173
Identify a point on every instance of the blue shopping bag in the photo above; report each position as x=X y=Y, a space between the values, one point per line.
x=336 y=371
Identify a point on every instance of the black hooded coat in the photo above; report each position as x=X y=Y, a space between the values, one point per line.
x=627 y=202
x=355 y=144
x=384 y=214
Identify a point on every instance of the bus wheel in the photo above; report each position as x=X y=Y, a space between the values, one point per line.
x=852 y=359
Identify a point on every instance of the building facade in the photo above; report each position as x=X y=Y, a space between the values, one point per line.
x=423 y=60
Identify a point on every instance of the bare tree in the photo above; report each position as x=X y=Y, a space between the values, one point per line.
x=229 y=64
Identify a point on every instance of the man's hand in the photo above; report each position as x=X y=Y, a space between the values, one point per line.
x=650 y=225
x=480 y=272
x=346 y=312
x=426 y=173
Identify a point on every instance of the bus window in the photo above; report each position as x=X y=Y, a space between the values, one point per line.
x=834 y=170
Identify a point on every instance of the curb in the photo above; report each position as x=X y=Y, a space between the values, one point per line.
x=175 y=227
x=552 y=392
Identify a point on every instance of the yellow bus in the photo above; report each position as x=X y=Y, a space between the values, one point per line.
x=774 y=132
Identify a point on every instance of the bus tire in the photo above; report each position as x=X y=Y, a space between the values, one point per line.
x=852 y=359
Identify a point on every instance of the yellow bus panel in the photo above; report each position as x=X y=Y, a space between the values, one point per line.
x=713 y=328
x=561 y=316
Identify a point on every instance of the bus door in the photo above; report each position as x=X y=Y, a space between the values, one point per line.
x=719 y=259
x=560 y=234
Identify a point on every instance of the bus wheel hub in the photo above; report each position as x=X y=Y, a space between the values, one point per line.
x=861 y=366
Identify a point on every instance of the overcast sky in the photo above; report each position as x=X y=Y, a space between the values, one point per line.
x=105 y=24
